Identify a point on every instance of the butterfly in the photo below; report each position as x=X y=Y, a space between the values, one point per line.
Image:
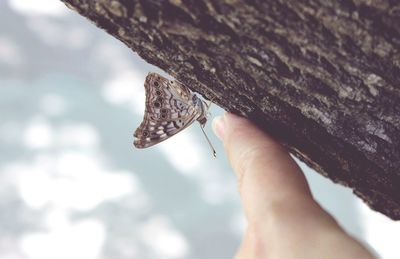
x=170 y=108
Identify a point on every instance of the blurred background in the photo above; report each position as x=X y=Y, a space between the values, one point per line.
x=73 y=186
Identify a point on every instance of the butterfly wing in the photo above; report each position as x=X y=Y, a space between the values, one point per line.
x=169 y=109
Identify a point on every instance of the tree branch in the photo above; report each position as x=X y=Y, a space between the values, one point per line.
x=321 y=76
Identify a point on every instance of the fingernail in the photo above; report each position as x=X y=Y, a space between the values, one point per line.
x=219 y=127
x=232 y=118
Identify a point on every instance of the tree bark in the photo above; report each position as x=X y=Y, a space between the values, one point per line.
x=321 y=76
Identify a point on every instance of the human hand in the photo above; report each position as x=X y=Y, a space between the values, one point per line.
x=284 y=221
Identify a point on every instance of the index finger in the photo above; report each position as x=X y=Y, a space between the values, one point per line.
x=267 y=175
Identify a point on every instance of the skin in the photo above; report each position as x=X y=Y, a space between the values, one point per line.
x=284 y=221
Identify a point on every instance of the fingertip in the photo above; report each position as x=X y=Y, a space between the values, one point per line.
x=218 y=127
x=233 y=120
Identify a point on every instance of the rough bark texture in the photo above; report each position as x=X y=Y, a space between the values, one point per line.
x=322 y=76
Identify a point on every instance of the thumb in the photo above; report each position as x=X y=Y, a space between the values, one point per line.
x=267 y=176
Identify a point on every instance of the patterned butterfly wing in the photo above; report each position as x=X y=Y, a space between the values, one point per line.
x=170 y=108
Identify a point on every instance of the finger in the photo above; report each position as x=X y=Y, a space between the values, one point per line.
x=276 y=198
x=267 y=175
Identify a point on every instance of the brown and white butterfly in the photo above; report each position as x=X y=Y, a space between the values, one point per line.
x=170 y=108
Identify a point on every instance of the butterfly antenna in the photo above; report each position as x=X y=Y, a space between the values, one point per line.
x=209 y=143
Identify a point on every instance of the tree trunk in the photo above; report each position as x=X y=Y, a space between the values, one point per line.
x=321 y=76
